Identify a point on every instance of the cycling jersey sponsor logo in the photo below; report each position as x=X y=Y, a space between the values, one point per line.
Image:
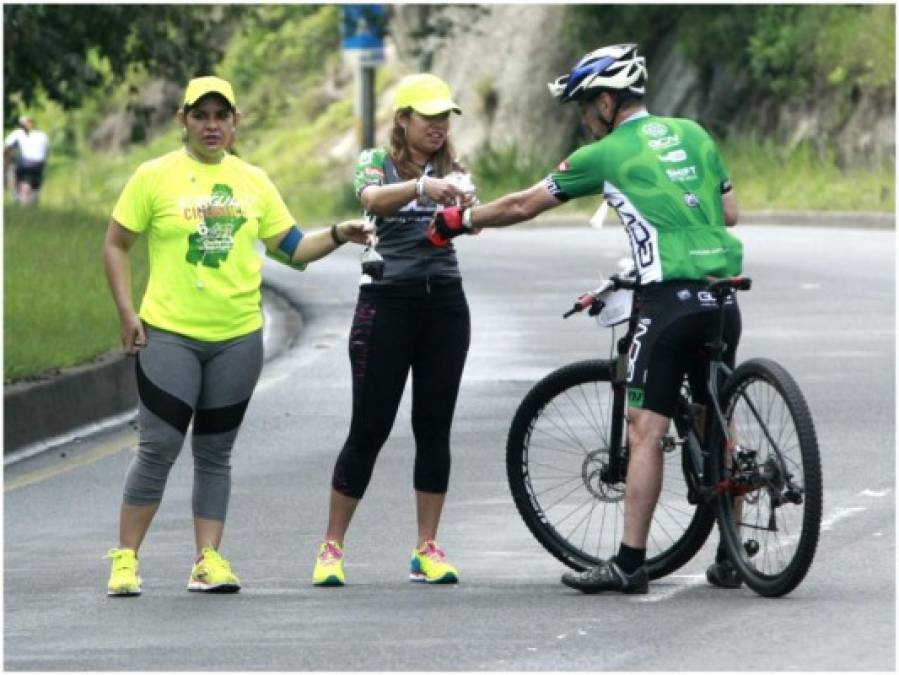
x=664 y=142
x=673 y=156
x=684 y=294
x=706 y=298
x=635 y=397
x=642 y=329
x=643 y=235
x=654 y=129
x=640 y=235
x=564 y=165
x=691 y=200
x=554 y=189
x=682 y=174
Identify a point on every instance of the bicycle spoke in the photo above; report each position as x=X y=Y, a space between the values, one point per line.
x=545 y=490
x=579 y=448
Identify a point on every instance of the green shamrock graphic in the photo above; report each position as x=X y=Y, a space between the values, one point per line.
x=214 y=238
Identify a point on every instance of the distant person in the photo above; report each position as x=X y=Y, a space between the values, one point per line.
x=31 y=148
x=670 y=187
x=198 y=338
x=414 y=319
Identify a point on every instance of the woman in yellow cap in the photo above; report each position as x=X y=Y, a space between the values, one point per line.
x=414 y=318
x=198 y=337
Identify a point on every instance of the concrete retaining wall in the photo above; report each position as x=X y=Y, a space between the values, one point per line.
x=35 y=411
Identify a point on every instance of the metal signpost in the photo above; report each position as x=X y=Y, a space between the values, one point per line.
x=363 y=36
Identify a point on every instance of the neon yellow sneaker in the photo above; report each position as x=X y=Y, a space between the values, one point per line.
x=123 y=579
x=429 y=565
x=212 y=574
x=329 y=565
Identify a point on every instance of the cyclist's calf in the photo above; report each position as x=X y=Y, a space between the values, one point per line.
x=644 y=473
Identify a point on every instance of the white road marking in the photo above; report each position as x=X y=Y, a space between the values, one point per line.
x=81 y=432
x=810 y=286
x=690 y=580
x=873 y=493
x=838 y=514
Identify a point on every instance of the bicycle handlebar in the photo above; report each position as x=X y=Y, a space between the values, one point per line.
x=720 y=288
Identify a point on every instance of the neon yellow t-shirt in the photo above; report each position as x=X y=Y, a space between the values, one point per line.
x=202 y=222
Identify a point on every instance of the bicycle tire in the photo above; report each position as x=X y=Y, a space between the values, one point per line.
x=569 y=392
x=763 y=564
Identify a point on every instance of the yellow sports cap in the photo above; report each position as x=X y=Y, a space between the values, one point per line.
x=198 y=87
x=426 y=94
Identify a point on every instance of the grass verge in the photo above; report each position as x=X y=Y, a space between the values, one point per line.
x=57 y=308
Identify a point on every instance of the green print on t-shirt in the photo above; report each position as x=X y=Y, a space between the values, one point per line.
x=214 y=237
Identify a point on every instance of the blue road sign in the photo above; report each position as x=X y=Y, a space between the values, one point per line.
x=364 y=26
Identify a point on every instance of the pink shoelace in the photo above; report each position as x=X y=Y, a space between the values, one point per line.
x=330 y=552
x=432 y=550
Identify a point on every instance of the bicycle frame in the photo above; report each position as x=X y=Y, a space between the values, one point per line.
x=718 y=371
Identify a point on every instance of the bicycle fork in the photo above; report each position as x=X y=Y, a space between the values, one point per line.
x=616 y=470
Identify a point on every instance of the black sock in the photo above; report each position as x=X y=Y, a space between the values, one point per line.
x=721 y=553
x=629 y=559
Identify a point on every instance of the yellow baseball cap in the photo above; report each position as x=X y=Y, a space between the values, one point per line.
x=426 y=94
x=198 y=87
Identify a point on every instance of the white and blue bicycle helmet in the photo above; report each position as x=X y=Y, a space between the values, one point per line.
x=617 y=68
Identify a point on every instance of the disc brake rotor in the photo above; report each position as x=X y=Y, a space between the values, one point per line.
x=594 y=464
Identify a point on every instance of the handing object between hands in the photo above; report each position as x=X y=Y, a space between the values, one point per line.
x=449 y=223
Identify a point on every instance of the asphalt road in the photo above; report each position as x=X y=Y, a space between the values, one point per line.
x=823 y=305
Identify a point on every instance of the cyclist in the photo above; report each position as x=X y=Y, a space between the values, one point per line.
x=666 y=179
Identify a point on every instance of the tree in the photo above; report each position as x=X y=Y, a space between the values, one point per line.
x=67 y=50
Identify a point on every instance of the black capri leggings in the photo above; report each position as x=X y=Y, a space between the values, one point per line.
x=425 y=328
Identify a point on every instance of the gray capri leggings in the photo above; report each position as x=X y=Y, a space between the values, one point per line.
x=179 y=378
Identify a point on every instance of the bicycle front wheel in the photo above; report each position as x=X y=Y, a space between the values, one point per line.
x=769 y=478
x=557 y=448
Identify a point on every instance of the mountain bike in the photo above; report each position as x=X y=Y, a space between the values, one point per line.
x=749 y=461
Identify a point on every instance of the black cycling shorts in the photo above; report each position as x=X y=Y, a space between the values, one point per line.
x=677 y=319
x=31 y=173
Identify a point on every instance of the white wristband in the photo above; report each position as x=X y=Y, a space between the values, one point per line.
x=420 y=187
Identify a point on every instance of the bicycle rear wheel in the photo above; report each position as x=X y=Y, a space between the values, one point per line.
x=557 y=446
x=772 y=534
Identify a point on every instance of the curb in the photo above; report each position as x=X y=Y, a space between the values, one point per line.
x=35 y=411
x=848 y=219
x=863 y=219
x=70 y=404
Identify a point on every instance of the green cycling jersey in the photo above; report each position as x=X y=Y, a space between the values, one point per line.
x=665 y=178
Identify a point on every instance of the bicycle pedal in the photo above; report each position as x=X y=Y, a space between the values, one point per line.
x=793 y=496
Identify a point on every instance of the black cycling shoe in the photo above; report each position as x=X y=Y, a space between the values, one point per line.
x=723 y=575
x=608 y=576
